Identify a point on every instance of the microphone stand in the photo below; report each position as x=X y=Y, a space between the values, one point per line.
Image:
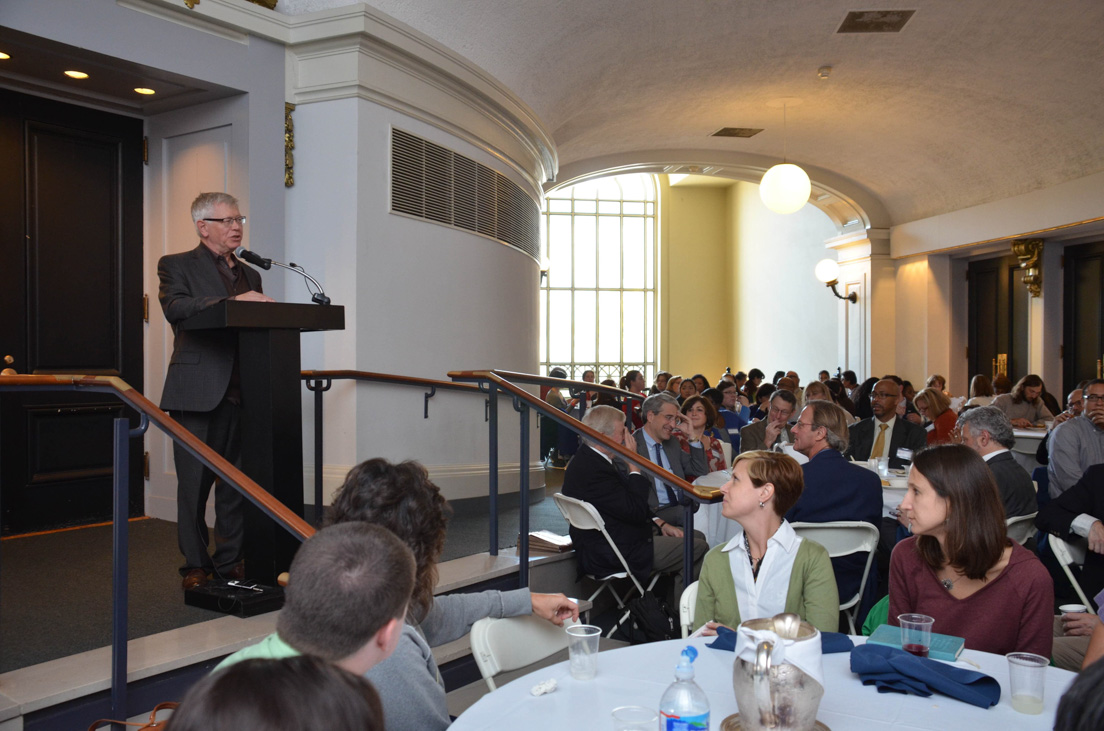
x=318 y=297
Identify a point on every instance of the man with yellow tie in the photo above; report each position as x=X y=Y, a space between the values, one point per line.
x=885 y=435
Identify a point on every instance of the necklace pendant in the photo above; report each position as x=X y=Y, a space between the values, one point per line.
x=947 y=584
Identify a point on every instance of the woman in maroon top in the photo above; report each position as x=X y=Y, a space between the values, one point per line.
x=960 y=567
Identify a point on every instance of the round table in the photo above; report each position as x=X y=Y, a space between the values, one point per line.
x=638 y=676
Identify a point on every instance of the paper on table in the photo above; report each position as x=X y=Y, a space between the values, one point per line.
x=804 y=655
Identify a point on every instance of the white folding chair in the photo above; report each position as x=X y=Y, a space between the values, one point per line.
x=687 y=602
x=502 y=645
x=1021 y=527
x=843 y=538
x=1064 y=555
x=584 y=516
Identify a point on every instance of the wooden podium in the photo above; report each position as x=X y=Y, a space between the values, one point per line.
x=272 y=415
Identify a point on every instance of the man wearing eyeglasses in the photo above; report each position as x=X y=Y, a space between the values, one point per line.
x=764 y=434
x=884 y=434
x=1077 y=443
x=203 y=384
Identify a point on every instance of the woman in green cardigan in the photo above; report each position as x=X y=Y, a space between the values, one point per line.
x=766 y=568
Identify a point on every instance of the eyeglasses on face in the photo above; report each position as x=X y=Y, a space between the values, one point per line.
x=226 y=221
x=880 y=395
x=1094 y=398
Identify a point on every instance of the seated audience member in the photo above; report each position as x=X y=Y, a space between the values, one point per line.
x=777 y=375
x=835 y=489
x=766 y=433
x=817 y=391
x=938 y=382
x=1050 y=402
x=840 y=397
x=960 y=567
x=624 y=500
x=674 y=384
x=1074 y=407
x=884 y=434
x=1023 y=407
x=1081 y=707
x=987 y=431
x=861 y=399
x=823 y=376
x=656 y=440
x=298 y=693
x=566 y=442
x=402 y=498
x=687 y=389
x=1002 y=384
x=850 y=381
x=607 y=399
x=908 y=393
x=981 y=391
x=702 y=416
x=346 y=597
x=797 y=389
x=785 y=383
x=763 y=397
x=755 y=379
x=633 y=381
x=1076 y=516
x=740 y=379
x=1078 y=443
x=700 y=382
x=766 y=568
x=735 y=414
x=936 y=408
x=660 y=383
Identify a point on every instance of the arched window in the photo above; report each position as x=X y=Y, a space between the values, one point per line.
x=597 y=302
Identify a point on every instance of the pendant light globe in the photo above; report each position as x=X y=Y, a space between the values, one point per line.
x=785 y=188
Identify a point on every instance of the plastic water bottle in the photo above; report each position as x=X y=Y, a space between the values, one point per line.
x=684 y=706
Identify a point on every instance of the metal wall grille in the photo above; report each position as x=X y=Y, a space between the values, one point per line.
x=434 y=183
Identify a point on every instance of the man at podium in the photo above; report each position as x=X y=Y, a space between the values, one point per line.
x=203 y=384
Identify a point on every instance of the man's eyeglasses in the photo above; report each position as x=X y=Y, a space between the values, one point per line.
x=880 y=395
x=226 y=221
x=1094 y=398
x=807 y=425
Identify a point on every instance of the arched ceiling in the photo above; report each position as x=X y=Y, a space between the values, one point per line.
x=972 y=101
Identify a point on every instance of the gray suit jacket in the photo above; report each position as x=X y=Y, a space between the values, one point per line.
x=199 y=370
x=682 y=464
x=1016 y=488
x=754 y=436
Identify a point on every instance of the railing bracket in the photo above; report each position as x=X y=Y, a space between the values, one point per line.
x=428 y=395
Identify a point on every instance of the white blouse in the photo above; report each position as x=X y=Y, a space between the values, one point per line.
x=767 y=596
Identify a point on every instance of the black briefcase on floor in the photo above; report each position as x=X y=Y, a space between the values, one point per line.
x=241 y=598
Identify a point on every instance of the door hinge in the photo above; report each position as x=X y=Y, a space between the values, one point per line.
x=145 y=308
x=145 y=150
x=145 y=465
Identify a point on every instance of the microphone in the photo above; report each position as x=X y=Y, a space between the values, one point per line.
x=254 y=259
x=318 y=297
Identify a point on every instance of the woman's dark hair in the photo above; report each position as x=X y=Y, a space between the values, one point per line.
x=607 y=399
x=980 y=386
x=1028 y=381
x=1082 y=706
x=711 y=415
x=401 y=498
x=765 y=392
x=861 y=399
x=625 y=384
x=777 y=375
x=756 y=373
x=715 y=395
x=298 y=693
x=976 y=533
x=1002 y=384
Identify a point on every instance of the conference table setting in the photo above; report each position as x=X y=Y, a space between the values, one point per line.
x=865 y=686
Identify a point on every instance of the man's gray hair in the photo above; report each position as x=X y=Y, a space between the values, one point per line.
x=786 y=396
x=604 y=419
x=655 y=403
x=834 y=419
x=204 y=204
x=992 y=420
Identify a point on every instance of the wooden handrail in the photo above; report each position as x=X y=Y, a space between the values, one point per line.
x=216 y=462
x=532 y=378
x=704 y=494
x=388 y=378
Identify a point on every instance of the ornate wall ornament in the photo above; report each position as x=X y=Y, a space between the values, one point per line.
x=289 y=144
x=270 y=4
x=190 y=4
x=1028 y=252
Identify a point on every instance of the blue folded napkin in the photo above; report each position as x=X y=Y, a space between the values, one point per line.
x=829 y=641
x=893 y=670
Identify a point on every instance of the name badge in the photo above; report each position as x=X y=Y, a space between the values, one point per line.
x=930 y=427
x=905 y=454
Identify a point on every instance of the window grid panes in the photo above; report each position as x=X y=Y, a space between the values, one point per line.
x=597 y=308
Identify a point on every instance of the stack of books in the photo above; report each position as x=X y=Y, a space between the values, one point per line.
x=546 y=541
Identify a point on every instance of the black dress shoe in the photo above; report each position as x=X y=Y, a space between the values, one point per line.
x=237 y=573
x=194 y=579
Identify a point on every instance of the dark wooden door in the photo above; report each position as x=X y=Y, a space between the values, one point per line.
x=71 y=298
x=998 y=316
x=1083 y=336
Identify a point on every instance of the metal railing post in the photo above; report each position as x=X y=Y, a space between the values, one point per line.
x=492 y=463
x=688 y=543
x=523 y=485
x=318 y=387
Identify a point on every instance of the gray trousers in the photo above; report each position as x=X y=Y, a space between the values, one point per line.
x=667 y=559
x=1069 y=652
x=221 y=431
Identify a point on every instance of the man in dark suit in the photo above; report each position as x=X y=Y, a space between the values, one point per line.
x=202 y=387
x=655 y=441
x=836 y=489
x=987 y=431
x=884 y=435
x=621 y=496
x=1076 y=516
x=765 y=433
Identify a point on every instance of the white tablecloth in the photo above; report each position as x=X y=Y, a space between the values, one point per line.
x=1027 y=443
x=639 y=675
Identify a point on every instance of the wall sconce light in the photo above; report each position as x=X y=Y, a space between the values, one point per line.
x=1028 y=252
x=827 y=271
x=544 y=266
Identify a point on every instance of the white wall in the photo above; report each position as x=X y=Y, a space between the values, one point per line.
x=783 y=318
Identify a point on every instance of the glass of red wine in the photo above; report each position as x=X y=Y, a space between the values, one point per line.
x=915 y=633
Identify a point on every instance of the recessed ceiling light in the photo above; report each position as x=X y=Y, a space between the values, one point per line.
x=144 y=90
x=4 y=56
x=76 y=74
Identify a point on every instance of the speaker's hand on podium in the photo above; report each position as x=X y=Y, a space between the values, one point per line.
x=252 y=296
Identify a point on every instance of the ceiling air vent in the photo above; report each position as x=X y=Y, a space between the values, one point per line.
x=875 y=21
x=736 y=132
x=434 y=183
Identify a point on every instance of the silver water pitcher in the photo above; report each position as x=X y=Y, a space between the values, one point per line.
x=777 y=697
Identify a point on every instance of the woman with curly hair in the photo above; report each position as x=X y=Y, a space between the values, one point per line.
x=401 y=498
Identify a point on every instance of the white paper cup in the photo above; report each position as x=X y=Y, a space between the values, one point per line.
x=582 y=650
x=634 y=718
x=1026 y=679
x=1073 y=609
